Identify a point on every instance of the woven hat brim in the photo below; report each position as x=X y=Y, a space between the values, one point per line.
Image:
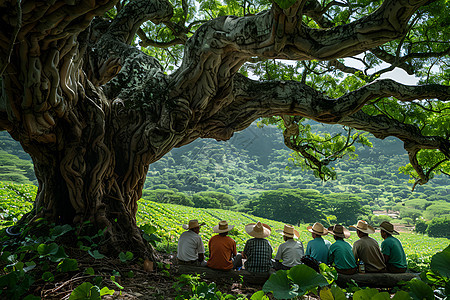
x=186 y=226
x=369 y=229
x=344 y=235
x=394 y=232
x=309 y=228
x=217 y=230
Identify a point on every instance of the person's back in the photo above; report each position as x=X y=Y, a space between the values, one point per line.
x=289 y=253
x=190 y=248
x=341 y=254
x=392 y=249
x=318 y=248
x=258 y=251
x=368 y=250
x=222 y=248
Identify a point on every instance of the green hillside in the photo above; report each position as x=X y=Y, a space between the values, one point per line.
x=15 y=200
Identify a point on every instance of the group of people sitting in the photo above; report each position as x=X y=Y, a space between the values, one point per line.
x=257 y=254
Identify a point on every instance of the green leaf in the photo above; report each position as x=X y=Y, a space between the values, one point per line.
x=280 y=286
x=440 y=262
x=401 y=295
x=89 y=271
x=82 y=292
x=59 y=255
x=329 y=273
x=46 y=250
x=366 y=294
x=32 y=297
x=58 y=231
x=338 y=294
x=419 y=290
x=125 y=256
x=306 y=278
x=106 y=291
x=67 y=265
x=95 y=254
x=48 y=276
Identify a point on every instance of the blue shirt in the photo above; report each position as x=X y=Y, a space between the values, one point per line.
x=318 y=249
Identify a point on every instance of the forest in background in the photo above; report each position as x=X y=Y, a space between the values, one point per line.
x=254 y=172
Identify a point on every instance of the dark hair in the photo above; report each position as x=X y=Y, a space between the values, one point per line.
x=362 y=233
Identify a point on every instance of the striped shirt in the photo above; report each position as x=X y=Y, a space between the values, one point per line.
x=259 y=255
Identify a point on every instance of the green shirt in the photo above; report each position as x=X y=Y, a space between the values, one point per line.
x=394 y=249
x=318 y=249
x=342 y=255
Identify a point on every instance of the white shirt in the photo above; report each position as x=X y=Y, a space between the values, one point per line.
x=290 y=252
x=190 y=245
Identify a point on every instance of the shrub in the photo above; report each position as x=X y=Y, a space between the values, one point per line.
x=438 y=227
x=421 y=226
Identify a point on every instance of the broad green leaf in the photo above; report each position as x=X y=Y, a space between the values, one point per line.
x=82 y=292
x=366 y=294
x=440 y=262
x=68 y=265
x=326 y=294
x=48 y=276
x=106 y=291
x=401 y=295
x=306 y=278
x=419 y=290
x=46 y=250
x=280 y=286
x=259 y=295
x=338 y=294
x=95 y=254
x=125 y=256
x=89 y=271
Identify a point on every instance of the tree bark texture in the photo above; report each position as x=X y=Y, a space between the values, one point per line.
x=93 y=112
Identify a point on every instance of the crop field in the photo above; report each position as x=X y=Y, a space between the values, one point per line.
x=17 y=199
x=168 y=218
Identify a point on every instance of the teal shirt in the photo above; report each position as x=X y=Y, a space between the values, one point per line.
x=341 y=255
x=393 y=247
x=318 y=249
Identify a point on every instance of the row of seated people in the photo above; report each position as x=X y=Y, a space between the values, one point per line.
x=257 y=254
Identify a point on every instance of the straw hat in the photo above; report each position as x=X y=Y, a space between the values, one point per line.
x=364 y=227
x=388 y=227
x=339 y=230
x=258 y=230
x=222 y=227
x=192 y=224
x=318 y=229
x=290 y=232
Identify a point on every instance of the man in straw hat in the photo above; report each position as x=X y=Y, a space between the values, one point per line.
x=222 y=248
x=190 y=245
x=291 y=251
x=392 y=249
x=258 y=250
x=367 y=249
x=341 y=253
x=318 y=248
